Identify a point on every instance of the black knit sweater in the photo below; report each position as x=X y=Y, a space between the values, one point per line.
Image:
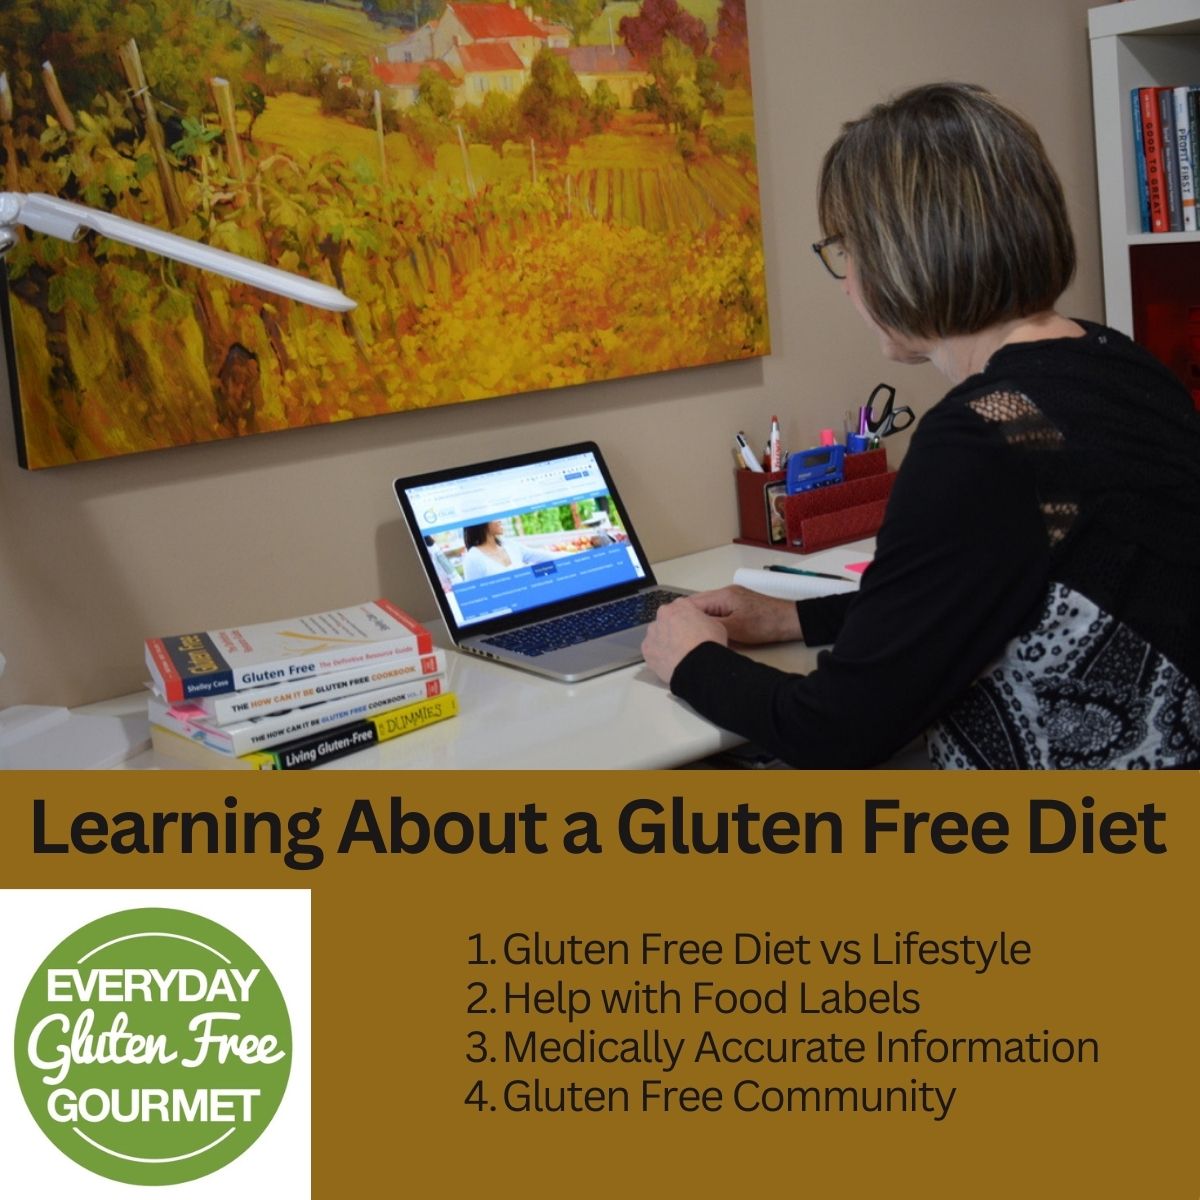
x=1035 y=595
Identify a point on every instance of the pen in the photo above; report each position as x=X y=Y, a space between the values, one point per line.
x=775 y=446
x=800 y=571
x=747 y=454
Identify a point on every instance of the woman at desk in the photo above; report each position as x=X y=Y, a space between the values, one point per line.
x=1035 y=593
x=486 y=554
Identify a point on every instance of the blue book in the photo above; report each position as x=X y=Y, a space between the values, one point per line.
x=1139 y=158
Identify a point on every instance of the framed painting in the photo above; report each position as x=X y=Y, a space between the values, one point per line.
x=517 y=196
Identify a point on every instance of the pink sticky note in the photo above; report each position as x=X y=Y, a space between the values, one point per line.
x=857 y=568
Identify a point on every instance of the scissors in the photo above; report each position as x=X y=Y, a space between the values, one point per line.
x=889 y=420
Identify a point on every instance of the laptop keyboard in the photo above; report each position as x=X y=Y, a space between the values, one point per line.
x=584 y=626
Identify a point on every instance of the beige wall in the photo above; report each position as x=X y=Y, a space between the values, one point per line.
x=95 y=557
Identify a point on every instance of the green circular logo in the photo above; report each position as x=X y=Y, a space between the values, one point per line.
x=153 y=1046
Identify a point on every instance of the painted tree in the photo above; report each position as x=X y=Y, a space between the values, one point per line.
x=659 y=19
x=683 y=89
x=712 y=94
x=553 y=104
x=427 y=123
x=604 y=105
x=433 y=90
x=255 y=103
x=494 y=122
x=731 y=49
x=577 y=15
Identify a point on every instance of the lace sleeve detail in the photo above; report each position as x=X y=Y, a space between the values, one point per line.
x=1030 y=432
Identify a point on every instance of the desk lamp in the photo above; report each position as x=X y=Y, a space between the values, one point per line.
x=39 y=735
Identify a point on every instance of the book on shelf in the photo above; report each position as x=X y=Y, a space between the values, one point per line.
x=307 y=752
x=1183 y=154
x=196 y=665
x=1139 y=161
x=1155 y=169
x=263 y=733
x=1166 y=148
x=260 y=702
x=1170 y=150
x=1193 y=110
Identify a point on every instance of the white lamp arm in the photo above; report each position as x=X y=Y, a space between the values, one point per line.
x=69 y=221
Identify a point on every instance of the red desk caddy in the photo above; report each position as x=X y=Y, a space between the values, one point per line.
x=822 y=517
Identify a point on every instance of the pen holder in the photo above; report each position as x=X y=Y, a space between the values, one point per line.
x=825 y=516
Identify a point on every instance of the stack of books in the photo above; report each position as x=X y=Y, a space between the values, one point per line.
x=1166 y=141
x=293 y=694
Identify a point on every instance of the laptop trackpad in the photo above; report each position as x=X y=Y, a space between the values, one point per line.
x=619 y=649
x=625 y=639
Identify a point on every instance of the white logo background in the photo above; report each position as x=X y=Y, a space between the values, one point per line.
x=276 y=924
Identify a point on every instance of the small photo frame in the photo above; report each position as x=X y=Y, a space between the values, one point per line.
x=774 y=494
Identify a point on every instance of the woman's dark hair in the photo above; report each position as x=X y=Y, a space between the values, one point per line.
x=950 y=211
x=475 y=535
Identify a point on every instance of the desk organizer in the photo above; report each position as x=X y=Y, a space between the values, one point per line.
x=752 y=505
x=825 y=516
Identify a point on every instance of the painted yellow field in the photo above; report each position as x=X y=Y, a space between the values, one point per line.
x=650 y=147
x=317 y=30
x=295 y=125
x=601 y=166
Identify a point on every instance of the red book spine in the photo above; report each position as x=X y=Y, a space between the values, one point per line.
x=424 y=637
x=1156 y=180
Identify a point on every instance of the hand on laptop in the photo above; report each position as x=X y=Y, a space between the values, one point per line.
x=727 y=614
x=678 y=629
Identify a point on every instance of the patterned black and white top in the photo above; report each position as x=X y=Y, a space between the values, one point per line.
x=1035 y=595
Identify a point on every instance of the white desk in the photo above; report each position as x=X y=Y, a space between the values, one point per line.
x=509 y=719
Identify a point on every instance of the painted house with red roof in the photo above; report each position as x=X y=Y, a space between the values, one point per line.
x=558 y=37
x=417 y=47
x=483 y=24
x=488 y=47
x=486 y=67
x=403 y=79
x=615 y=65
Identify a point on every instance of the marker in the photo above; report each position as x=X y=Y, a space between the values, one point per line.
x=775 y=446
x=800 y=571
x=747 y=454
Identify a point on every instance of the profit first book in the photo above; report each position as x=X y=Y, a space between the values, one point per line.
x=263 y=733
x=260 y=702
x=196 y=665
x=312 y=751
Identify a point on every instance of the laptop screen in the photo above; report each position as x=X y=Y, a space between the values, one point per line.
x=508 y=540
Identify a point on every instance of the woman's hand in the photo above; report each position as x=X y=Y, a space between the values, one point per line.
x=750 y=617
x=730 y=613
x=678 y=629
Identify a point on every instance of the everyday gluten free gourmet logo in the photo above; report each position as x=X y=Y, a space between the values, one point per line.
x=153 y=1046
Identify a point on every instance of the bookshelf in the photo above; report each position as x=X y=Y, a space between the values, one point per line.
x=1151 y=281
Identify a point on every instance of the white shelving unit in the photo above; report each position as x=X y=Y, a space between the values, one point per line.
x=1140 y=43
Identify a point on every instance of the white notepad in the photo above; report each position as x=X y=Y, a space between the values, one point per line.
x=783 y=586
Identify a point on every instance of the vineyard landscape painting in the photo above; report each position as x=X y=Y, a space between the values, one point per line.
x=519 y=196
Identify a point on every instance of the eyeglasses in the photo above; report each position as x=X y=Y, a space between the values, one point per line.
x=832 y=253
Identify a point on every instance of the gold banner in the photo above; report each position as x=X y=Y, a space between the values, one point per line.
x=699 y=983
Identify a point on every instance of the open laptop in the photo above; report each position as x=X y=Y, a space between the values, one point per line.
x=534 y=561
